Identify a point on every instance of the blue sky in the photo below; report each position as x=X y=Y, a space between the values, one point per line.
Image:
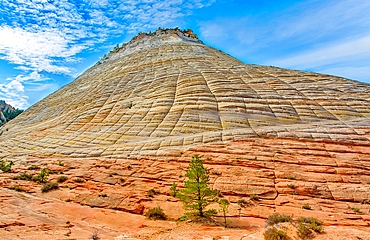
x=45 y=44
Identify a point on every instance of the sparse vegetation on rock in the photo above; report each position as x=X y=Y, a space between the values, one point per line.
x=62 y=179
x=42 y=177
x=306 y=206
x=156 y=214
x=6 y=167
x=152 y=192
x=78 y=180
x=23 y=176
x=49 y=186
x=16 y=188
x=308 y=224
x=278 y=218
x=254 y=197
x=224 y=209
x=173 y=190
x=33 y=167
x=275 y=234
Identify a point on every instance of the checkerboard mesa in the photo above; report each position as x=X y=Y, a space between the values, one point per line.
x=165 y=92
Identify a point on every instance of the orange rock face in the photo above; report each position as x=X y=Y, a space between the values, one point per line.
x=297 y=140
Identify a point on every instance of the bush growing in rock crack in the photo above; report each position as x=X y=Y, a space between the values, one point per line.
x=156 y=214
x=23 y=176
x=49 y=186
x=42 y=177
x=275 y=234
x=278 y=218
x=62 y=179
x=308 y=224
x=6 y=167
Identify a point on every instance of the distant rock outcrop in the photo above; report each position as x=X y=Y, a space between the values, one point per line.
x=7 y=112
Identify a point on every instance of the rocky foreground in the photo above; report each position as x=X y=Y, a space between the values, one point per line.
x=124 y=131
x=111 y=195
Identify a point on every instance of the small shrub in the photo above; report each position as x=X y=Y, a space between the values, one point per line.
x=173 y=189
x=152 y=192
x=306 y=206
x=356 y=210
x=42 y=177
x=62 y=179
x=224 y=209
x=216 y=173
x=277 y=218
x=291 y=186
x=33 y=167
x=49 y=186
x=306 y=224
x=60 y=163
x=274 y=234
x=254 y=197
x=78 y=180
x=23 y=176
x=6 y=167
x=156 y=213
x=243 y=203
x=290 y=177
x=16 y=188
x=302 y=230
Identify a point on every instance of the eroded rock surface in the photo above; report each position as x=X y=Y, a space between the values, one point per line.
x=132 y=122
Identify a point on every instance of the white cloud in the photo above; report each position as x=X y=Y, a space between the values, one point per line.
x=355 y=73
x=354 y=50
x=13 y=93
x=32 y=77
x=35 y=50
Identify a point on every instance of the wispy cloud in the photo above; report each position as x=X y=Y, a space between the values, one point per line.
x=36 y=50
x=356 y=49
x=14 y=94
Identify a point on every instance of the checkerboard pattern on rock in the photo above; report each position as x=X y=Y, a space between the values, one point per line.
x=167 y=91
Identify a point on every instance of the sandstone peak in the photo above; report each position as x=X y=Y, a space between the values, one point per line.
x=165 y=92
x=150 y=40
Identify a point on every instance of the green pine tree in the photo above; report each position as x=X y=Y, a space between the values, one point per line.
x=197 y=195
